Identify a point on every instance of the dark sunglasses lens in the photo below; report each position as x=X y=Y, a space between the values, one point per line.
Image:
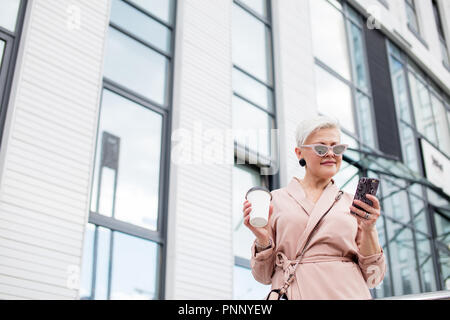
x=339 y=149
x=321 y=150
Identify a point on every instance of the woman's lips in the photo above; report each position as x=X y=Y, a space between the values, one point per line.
x=329 y=163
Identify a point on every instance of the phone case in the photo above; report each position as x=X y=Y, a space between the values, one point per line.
x=365 y=185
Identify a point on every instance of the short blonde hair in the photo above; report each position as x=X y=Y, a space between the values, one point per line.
x=308 y=126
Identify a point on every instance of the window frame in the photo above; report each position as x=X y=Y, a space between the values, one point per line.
x=12 y=41
x=158 y=236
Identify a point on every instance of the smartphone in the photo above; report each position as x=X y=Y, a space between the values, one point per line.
x=365 y=185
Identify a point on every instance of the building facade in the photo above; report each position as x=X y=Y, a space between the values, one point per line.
x=131 y=130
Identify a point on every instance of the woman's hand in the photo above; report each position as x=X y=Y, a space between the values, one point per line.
x=262 y=233
x=374 y=212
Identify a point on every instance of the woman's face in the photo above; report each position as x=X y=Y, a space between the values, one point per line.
x=314 y=163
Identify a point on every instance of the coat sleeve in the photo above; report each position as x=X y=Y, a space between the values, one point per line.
x=263 y=262
x=373 y=267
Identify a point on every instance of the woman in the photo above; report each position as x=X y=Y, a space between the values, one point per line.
x=343 y=258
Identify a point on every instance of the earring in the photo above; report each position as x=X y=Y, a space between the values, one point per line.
x=302 y=162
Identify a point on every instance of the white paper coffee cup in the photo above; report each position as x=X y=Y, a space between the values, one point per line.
x=260 y=199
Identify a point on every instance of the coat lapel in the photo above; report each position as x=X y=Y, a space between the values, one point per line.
x=323 y=203
x=295 y=190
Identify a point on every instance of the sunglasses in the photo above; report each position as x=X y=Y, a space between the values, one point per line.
x=321 y=149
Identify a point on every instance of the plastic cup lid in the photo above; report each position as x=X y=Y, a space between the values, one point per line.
x=258 y=188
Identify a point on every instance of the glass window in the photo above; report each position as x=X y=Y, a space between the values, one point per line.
x=244 y=177
x=441 y=124
x=136 y=66
x=442 y=229
x=411 y=16
x=251 y=126
x=395 y=200
x=8 y=14
x=246 y=287
x=426 y=268
x=365 y=124
x=334 y=98
x=134 y=21
x=2 y=51
x=328 y=31
x=252 y=90
x=418 y=207
x=347 y=177
x=128 y=162
x=134 y=268
x=422 y=108
x=359 y=66
x=403 y=261
x=259 y=6
x=163 y=9
x=251 y=45
x=444 y=267
x=102 y=249
x=87 y=262
x=400 y=90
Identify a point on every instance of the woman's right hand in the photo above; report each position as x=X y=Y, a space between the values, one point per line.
x=262 y=233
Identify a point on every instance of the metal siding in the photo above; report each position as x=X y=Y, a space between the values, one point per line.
x=48 y=152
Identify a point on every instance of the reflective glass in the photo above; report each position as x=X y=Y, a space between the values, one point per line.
x=403 y=260
x=412 y=18
x=444 y=267
x=418 y=207
x=87 y=262
x=442 y=228
x=395 y=202
x=422 y=108
x=102 y=263
x=347 y=177
x=244 y=178
x=259 y=6
x=141 y=25
x=251 y=126
x=246 y=287
x=251 y=45
x=400 y=90
x=334 y=98
x=408 y=141
x=328 y=30
x=2 y=50
x=9 y=10
x=135 y=263
x=365 y=124
x=441 y=124
x=424 y=253
x=136 y=66
x=128 y=154
x=160 y=8
x=252 y=90
x=359 y=65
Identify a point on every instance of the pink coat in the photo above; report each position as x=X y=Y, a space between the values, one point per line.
x=332 y=267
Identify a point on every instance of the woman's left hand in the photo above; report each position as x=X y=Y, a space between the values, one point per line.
x=373 y=212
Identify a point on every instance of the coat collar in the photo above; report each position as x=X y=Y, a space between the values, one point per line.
x=295 y=189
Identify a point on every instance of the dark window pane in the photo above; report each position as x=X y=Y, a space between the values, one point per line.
x=144 y=27
x=8 y=14
x=135 y=263
x=128 y=161
x=136 y=66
